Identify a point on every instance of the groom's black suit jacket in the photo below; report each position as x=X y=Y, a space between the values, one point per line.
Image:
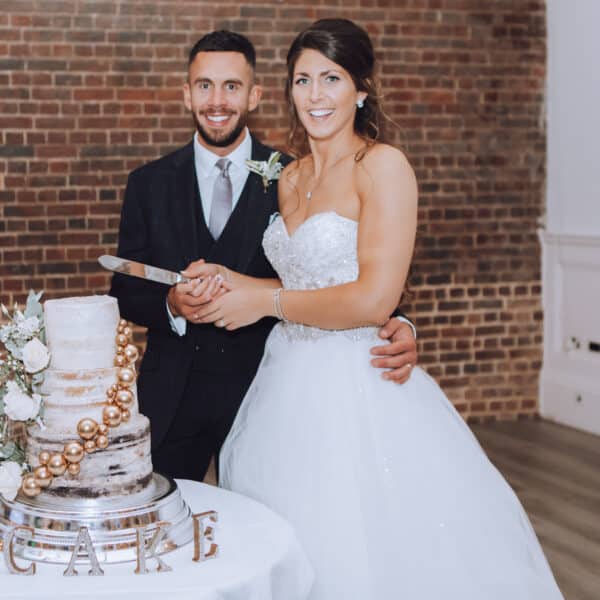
x=162 y=224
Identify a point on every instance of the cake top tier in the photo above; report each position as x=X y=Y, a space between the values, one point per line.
x=81 y=332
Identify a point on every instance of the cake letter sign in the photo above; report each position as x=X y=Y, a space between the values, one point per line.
x=83 y=486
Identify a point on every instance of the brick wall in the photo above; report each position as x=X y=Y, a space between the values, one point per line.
x=91 y=89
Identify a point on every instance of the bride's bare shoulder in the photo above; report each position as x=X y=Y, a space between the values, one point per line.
x=383 y=157
x=289 y=181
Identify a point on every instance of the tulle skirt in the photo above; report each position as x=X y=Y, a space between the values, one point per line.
x=389 y=491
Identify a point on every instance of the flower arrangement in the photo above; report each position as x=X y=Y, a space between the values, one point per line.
x=20 y=371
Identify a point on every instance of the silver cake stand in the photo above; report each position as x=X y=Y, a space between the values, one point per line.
x=111 y=523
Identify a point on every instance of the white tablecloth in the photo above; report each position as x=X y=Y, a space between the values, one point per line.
x=259 y=559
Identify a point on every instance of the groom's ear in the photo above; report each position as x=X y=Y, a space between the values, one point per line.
x=187 y=96
x=255 y=96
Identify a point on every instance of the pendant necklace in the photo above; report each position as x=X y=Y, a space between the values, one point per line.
x=309 y=194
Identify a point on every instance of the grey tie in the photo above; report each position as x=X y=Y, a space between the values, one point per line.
x=222 y=199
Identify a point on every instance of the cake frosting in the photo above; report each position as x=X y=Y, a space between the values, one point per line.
x=81 y=336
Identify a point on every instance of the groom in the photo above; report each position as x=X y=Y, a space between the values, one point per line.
x=202 y=202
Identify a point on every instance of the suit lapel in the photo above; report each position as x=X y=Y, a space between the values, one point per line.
x=261 y=204
x=183 y=199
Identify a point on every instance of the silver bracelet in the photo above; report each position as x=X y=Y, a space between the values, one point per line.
x=277 y=305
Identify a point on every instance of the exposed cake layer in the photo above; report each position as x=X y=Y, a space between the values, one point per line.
x=81 y=332
x=70 y=396
x=124 y=467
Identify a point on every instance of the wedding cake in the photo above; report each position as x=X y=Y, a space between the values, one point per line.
x=93 y=439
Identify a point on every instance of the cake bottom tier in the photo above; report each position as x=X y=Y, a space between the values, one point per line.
x=125 y=467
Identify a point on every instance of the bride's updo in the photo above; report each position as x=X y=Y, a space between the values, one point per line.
x=349 y=46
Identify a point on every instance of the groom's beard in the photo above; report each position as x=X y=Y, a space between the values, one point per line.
x=221 y=139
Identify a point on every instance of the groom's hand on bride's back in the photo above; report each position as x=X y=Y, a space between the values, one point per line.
x=398 y=355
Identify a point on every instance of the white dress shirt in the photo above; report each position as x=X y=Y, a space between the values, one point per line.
x=205 y=165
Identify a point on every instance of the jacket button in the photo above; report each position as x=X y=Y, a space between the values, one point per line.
x=196 y=348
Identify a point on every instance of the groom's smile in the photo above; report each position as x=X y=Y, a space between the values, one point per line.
x=220 y=92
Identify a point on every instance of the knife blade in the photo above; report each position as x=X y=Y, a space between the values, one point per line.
x=137 y=269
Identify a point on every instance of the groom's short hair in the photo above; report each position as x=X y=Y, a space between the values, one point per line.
x=224 y=41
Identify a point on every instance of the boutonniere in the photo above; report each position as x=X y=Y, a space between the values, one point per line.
x=269 y=170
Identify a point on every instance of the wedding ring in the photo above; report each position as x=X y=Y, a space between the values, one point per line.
x=220 y=323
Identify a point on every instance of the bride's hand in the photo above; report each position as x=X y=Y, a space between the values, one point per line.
x=236 y=307
x=200 y=269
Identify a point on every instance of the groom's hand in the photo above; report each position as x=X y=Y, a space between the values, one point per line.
x=186 y=299
x=400 y=354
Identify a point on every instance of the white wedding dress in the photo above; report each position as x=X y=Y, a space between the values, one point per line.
x=387 y=488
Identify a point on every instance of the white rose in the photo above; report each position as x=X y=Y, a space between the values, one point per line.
x=10 y=479
x=18 y=405
x=35 y=356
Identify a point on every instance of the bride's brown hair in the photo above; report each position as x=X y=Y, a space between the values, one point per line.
x=349 y=46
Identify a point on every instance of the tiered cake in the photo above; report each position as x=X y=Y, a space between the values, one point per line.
x=81 y=336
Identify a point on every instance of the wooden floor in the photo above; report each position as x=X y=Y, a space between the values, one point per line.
x=555 y=471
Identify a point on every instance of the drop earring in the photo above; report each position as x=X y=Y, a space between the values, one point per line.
x=360 y=103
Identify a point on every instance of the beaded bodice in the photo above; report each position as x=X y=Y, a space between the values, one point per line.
x=320 y=253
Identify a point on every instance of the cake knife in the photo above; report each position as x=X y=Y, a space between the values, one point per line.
x=137 y=269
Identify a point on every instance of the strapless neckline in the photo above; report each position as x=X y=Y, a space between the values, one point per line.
x=313 y=217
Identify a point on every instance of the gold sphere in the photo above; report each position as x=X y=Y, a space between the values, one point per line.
x=30 y=486
x=121 y=359
x=42 y=476
x=90 y=446
x=125 y=415
x=110 y=392
x=122 y=339
x=126 y=376
x=124 y=398
x=57 y=464
x=111 y=415
x=102 y=429
x=102 y=442
x=74 y=468
x=44 y=457
x=120 y=328
x=73 y=452
x=120 y=350
x=114 y=387
x=87 y=428
x=123 y=323
x=131 y=353
x=127 y=331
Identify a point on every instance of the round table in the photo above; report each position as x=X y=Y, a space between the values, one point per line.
x=259 y=558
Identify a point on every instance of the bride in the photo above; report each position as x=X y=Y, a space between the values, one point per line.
x=387 y=488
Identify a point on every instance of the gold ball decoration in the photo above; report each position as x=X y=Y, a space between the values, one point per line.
x=121 y=359
x=123 y=323
x=120 y=350
x=89 y=446
x=42 y=476
x=44 y=457
x=111 y=415
x=87 y=428
x=125 y=415
x=126 y=376
x=127 y=332
x=110 y=392
x=124 y=398
x=120 y=328
x=122 y=339
x=131 y=353
x=114 y=387
x=57 y=464
x=74 y=469
x=102 y=442
x=73 y=452
x=102 y=429
x=30 y=486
